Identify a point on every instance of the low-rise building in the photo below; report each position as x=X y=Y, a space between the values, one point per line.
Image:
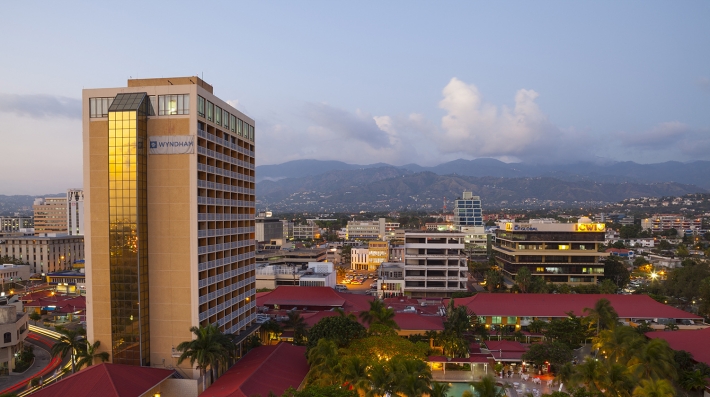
x=13 y=328
x=312 y=274
x=268 y=229
x=662 y=222
x=366 y=230
x=10 y=224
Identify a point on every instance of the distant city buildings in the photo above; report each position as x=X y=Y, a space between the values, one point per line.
x=75 y=212
x=468 y=211
x=50 y=253
x=16 y=224
x=366 y=230
x=268 y=228
x=50 y=215
x=660 y=223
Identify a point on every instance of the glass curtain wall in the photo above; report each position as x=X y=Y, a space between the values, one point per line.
x=128 y=237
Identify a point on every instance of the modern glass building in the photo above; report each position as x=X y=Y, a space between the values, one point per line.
x=169 y=218
x=468 y=211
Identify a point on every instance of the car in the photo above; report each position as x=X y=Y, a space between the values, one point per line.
x=345 y=281
x=356 y=282
x=341 y=288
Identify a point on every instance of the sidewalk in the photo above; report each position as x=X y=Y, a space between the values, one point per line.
x=42 y=359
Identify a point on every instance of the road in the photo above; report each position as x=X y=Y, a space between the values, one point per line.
x=358 y=289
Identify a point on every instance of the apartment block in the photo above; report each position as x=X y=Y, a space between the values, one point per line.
x=169 y=207
x=44 y=254
x=367 y=230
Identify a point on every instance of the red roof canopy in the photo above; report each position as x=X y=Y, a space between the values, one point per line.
x=107 y=380
x=288 y=295
x=264 y=369
x=415 y=321
x=506 y=346
x=696 y=342
x=556 y=305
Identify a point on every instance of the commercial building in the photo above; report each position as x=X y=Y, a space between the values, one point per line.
x=44 y=254
x=312 y=274
x=435 y=264
x=14 y=224
x=558 y=252
x=468 y=211
x=268 y=229
x=75 y=212
x=309 y=231
x=12 y=273
x=50 y=215
x=169 y=206
x=366 y=230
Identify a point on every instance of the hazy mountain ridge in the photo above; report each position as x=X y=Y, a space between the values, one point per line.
x=692 y=173
x=392 y=187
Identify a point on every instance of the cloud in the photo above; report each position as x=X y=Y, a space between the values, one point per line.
x=671 y=138
x=475 y=128
x=704 y=84
x=359 y=126
x=40 y=106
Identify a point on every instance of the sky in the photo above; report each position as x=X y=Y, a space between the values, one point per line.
x=365 y=82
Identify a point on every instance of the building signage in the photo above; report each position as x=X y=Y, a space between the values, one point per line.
x=172 y=144
x=590 y=227
x=509 y=226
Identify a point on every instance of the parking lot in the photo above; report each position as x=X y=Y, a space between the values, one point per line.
x=359 y=287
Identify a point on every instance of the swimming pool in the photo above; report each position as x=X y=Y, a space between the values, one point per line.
x=457 y=389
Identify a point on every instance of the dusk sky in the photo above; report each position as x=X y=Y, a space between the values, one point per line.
x=364 y=82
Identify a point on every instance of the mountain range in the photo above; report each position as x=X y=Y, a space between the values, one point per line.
x=312 y=185
x=691 y=173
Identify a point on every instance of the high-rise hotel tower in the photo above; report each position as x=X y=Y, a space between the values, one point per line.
x=169 y=205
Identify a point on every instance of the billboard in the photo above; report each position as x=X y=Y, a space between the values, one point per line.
x=172 y=144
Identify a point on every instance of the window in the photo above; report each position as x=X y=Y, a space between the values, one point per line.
x=512 y=320
x=153 y=104
x=233 y=123
x=98 y=107
x=7 y=338
x=225 y=119
x=239 y=127
x=173 y=104
x=200 y=106
x=210 y=111
x=218 y=115
x=496 y=320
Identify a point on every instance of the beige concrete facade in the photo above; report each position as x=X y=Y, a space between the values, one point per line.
x=44 y=254
x=200 y=210
x=50 y=215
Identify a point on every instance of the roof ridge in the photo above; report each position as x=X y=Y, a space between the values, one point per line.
x=110 y=378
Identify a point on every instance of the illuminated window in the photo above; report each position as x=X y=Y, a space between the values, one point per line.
x=173 y=104
x=496 y=319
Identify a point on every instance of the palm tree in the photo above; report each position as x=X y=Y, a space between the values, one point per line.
x=654 y=360
x=298 y=325
x=694 y=380
x=379 y=314
x=618 y=344
x=486 y=387
x=271 y=330
x=413 y=377
x=86 y=355
x=654 y=388
x=590 y=373
x=324 y=361
x=493 y=278
x=523 y=279
x=342 y=313
x=617 y=381
x=565 y=373
x=70 y=343
x=209 y=349
x=382 y=380
x=603 y=314
x=439 y=389
x=353 y=370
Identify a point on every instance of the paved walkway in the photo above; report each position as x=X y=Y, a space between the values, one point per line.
x=42 y=358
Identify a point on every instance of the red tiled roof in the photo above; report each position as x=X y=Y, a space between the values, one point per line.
x=264 y=369
x=696 y=342
x=415 y=321
x=473 y=358
x=617 y=250
x=289 y=295
x=107 y=380
x=312 y=318
x=356 y=302
x=36 y=295
x=506 y=346
x=556 y=305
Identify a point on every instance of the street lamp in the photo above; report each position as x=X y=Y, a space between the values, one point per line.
x=654 y=275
